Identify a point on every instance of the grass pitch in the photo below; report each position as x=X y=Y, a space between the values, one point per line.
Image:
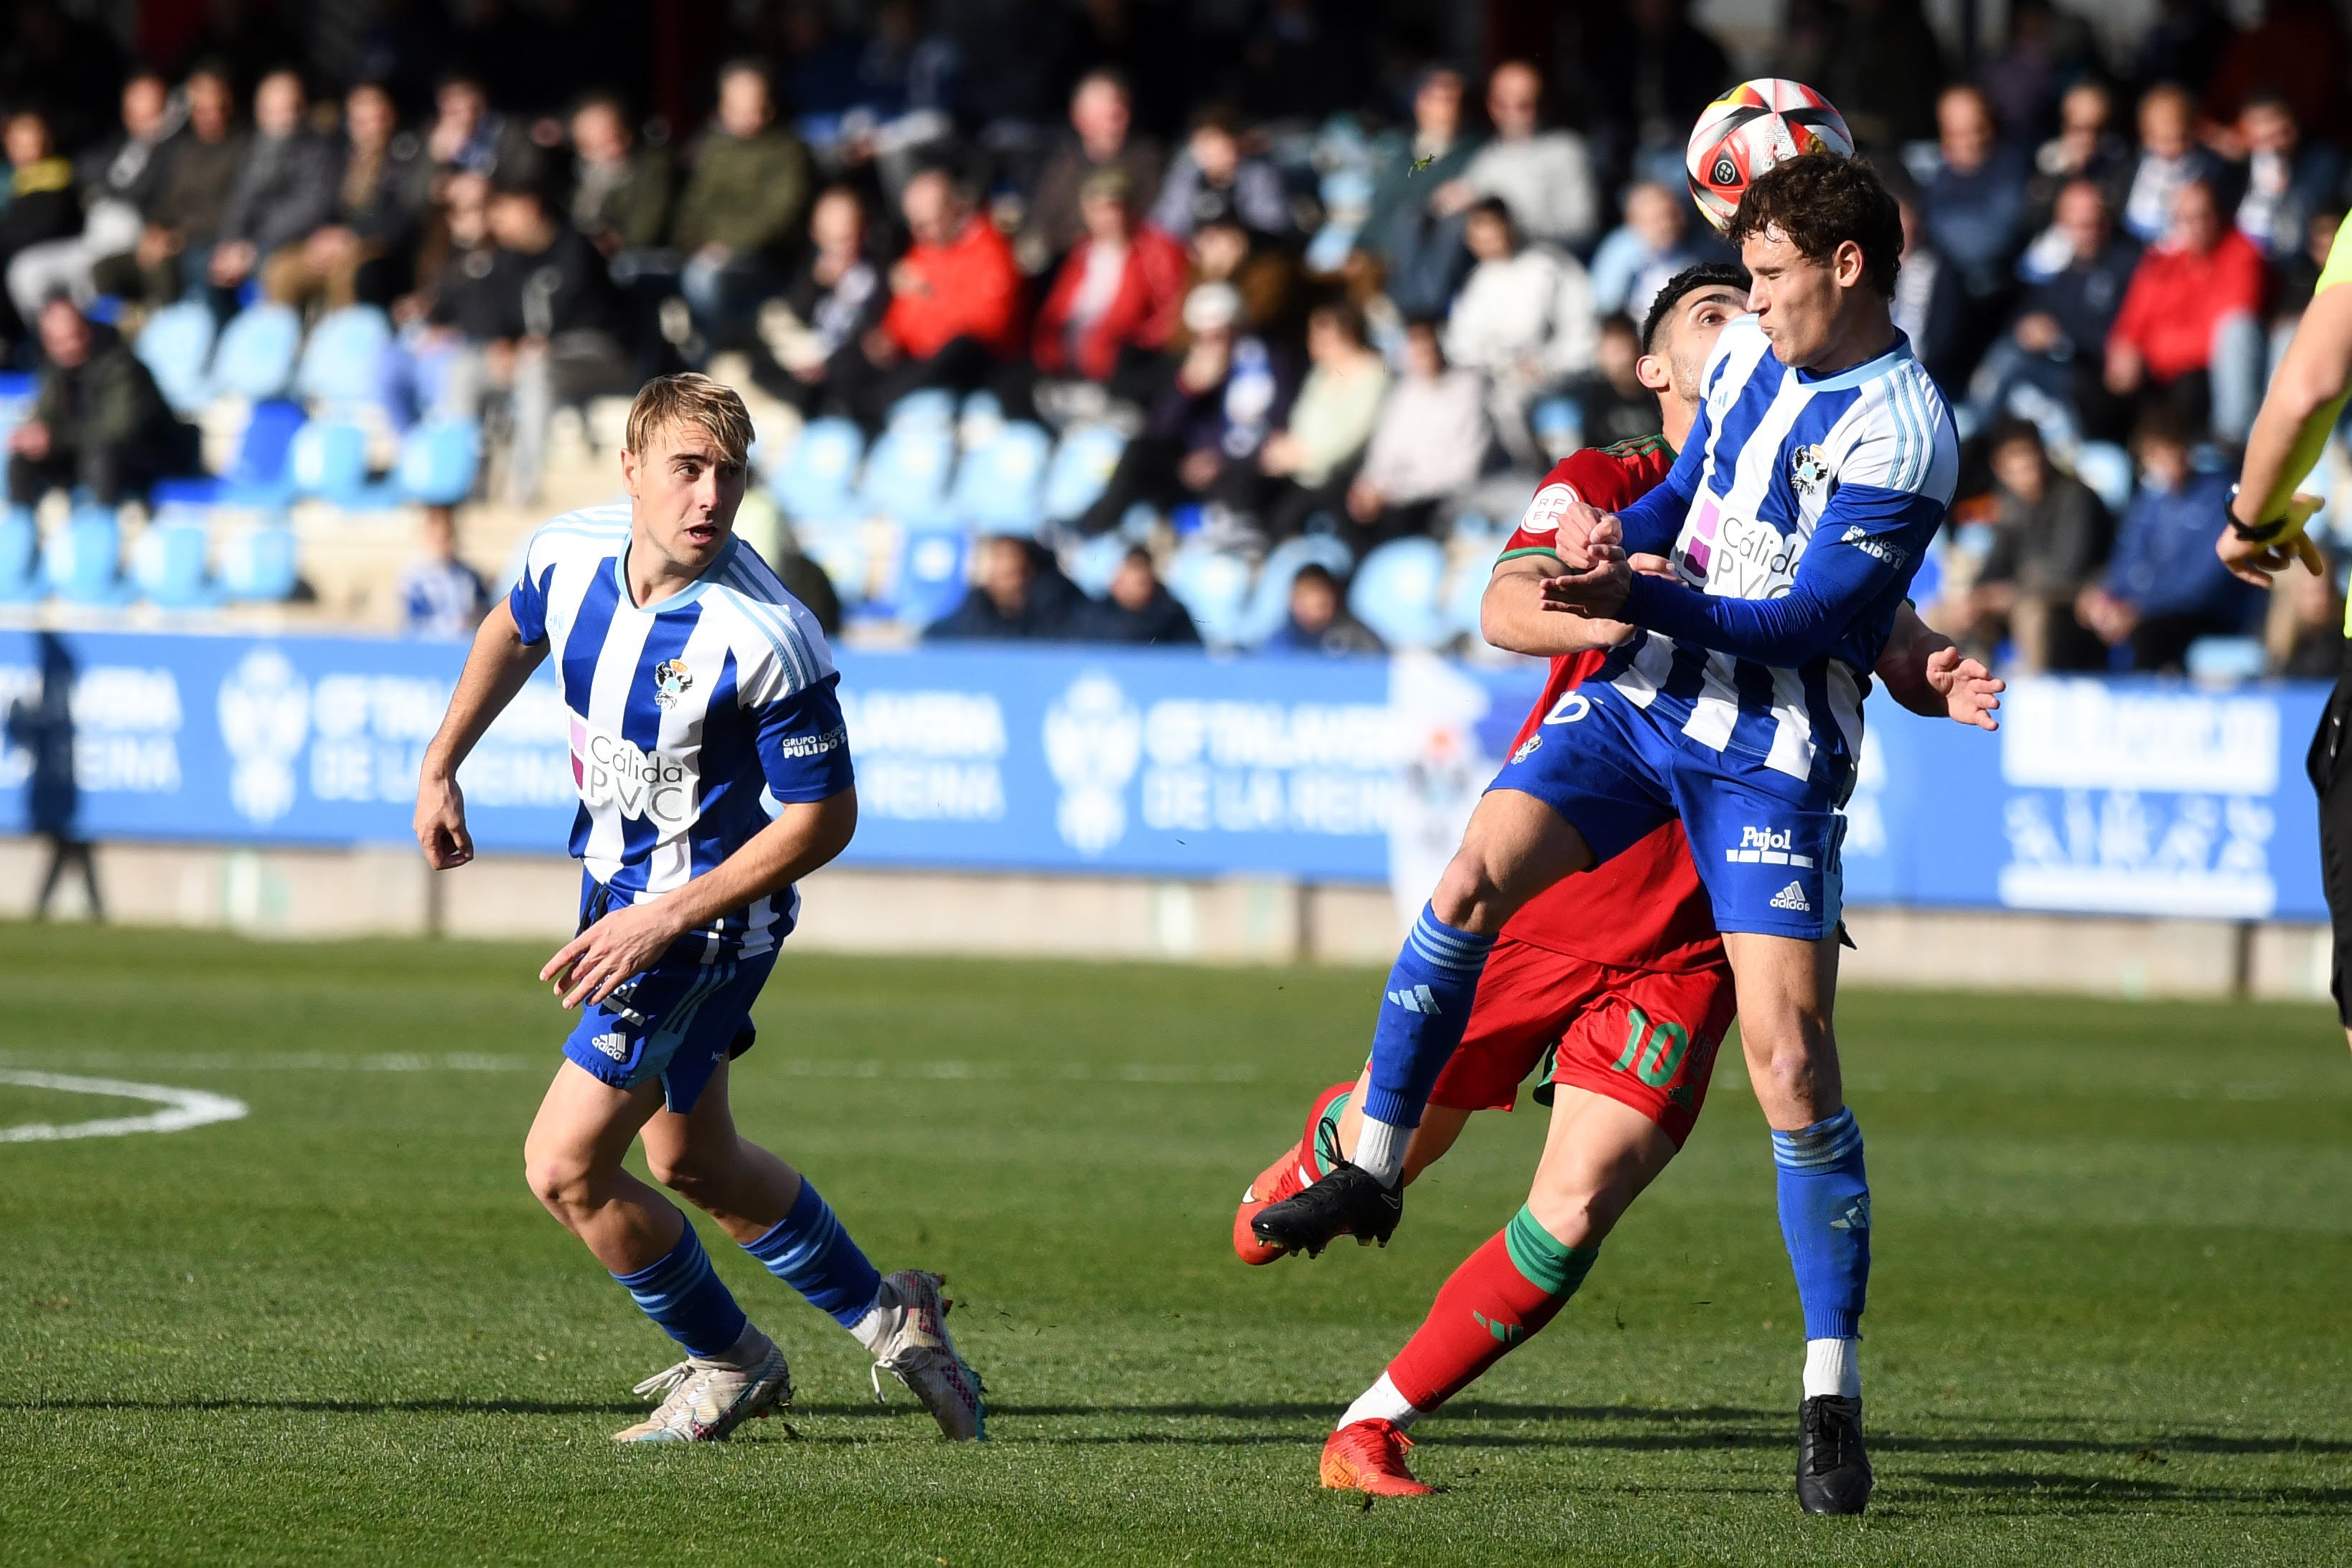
x=2108 y=1325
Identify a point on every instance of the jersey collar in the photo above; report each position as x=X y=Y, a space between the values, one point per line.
x=684 y=596
x=1868 y=371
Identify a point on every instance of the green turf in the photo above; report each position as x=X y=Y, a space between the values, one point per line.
x=2108 y=1325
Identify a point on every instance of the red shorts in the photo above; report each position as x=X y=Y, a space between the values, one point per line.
x=1641 y=1036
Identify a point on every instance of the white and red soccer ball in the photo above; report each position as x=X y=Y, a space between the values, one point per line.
x=1749 y=128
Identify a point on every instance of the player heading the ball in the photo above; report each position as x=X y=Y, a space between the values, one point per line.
x=1820 y=468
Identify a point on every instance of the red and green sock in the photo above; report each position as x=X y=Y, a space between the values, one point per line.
x=1502 y=1294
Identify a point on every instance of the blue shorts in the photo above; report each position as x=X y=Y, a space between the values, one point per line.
x=677 y=1020
x=1766 y=844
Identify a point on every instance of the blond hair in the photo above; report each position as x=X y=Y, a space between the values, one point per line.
x=690 y=399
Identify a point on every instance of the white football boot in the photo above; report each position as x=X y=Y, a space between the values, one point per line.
x=914 y=1348
x=703 y=1402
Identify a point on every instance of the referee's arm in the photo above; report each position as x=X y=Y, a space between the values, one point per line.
x=2307 y=396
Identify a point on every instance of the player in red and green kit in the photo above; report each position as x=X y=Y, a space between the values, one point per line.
x=1613 y=980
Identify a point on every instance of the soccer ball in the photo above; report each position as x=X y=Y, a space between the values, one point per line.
x=1749 y=130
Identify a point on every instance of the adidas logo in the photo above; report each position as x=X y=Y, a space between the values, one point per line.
x=1505 y=1334
x=1791 y=897
x=1416 y=1001
x=615 y=1045
x=1857 y=1217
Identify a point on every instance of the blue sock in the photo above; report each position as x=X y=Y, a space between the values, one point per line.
x=809 y=1251
x=1825 y=1219
x=685 y=1295
x=1426 y=1007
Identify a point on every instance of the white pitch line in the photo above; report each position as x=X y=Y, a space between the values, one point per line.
x=184 y=1108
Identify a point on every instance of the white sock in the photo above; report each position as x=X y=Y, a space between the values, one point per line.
x=1381 y=1401
x=874 y=1327
x=750 y=1349
x=1380 y=1149
x=1834 y=1367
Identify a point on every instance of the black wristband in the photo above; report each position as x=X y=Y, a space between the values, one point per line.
x=2251 y=533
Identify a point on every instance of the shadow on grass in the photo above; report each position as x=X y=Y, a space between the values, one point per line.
x=2040 y=1492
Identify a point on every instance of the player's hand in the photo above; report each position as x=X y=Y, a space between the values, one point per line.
x=1580 y=522
x=441 y=823
x=2255 y=563
x=593 y=965
x=1971 y=692
x=1652 y=566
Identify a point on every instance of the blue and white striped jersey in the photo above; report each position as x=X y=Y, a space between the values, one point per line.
x=1796 y=517
x=691 y=722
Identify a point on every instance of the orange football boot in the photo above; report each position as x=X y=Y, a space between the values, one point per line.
x=1368 y=1456
x=1283 y=1179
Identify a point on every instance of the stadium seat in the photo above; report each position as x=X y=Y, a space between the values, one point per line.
x=1465 y=594
x=257 y=563
x=929 y=576
x=20 y=552
x=932 y=408
x=997 y=485
x=837 y=545
x=1269 y=602
x=2107 y=469
x=2225 y=661
x=83 y=562
x=328 y=458
x=813 y=479
x=255 y=356
x=338 y=368
x=982 y=416
x=1214 y=586
x=1081 y=468
x=1559 y=424
x=175 y=346
x=1094 y=563
x=439 y=460
x=1396 y=593
x=906 y=473
x=168 y=560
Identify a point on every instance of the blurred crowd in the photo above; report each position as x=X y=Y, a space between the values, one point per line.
x=1324 y=280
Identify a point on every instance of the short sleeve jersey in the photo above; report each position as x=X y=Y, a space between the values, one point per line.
x=691 y=722
x=1645 y=909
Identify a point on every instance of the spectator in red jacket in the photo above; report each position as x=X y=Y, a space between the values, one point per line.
x=1116 y=301
x=955 y=305
x=2189 y=331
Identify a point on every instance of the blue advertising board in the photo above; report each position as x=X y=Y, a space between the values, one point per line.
x=2111 y=797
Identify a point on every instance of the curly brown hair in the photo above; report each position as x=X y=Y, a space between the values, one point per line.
x=1819 y=202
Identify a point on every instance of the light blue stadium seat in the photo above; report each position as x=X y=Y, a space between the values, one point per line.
x=816 y=476
x=255 y=356
x=997 y=486
x=907 y=473
x=1269 y=602
x=338 y=368
x=2107 y=469
x=2225 y=661
x=20 y=553
x=175 y=346
x=1214 y=585
x=1396 y=593
x=168 y=560
x=930 y=573
x=1081 y=468
x=83 y=562
x=837 y=545
x=981 y=416
x=439 y=460
x=932 y=407
x=328 y=458
x=1464 y=595
x=1559 y=424
x=1093 y=564
x=257 y=563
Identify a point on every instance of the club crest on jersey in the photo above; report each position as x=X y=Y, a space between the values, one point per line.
x=671 y=681
x=1808 y=466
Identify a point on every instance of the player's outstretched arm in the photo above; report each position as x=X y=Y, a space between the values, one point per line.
x=806 y=835
x=496 y=669
x=1924 y=670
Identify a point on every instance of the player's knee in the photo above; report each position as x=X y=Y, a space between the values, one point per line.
x=561 y=1180
x=692 y=1173
x=1581 y=1205
x=1466 y=892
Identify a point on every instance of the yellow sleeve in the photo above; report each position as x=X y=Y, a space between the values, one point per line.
x=2339 y=260
x=2311 y=440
